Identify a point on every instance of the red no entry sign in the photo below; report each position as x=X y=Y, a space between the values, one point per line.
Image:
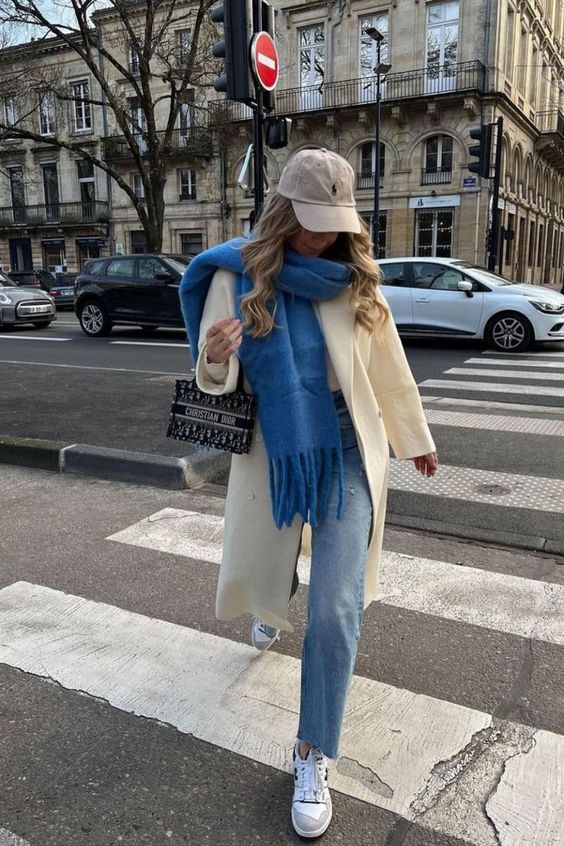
x=264 y=58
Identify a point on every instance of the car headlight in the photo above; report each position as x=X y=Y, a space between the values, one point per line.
x=4 y=299
x=548 y=308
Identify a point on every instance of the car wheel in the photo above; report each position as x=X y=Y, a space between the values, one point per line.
x=41 y=324
x=148 y=330
x=509 y=332
x=94 y=320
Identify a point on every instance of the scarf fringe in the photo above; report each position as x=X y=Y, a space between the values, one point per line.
x=301 y=484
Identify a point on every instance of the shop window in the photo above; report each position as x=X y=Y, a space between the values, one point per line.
x=433 y=232
x=191 y=243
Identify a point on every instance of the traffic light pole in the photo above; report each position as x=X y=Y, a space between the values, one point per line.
x=258 y=153
x=492 y=255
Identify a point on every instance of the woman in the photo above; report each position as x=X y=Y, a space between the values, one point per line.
x=298 y=307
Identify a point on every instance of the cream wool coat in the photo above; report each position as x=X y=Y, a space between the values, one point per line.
x=382 y=397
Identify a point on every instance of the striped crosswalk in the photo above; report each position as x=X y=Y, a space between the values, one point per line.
x=422 y=757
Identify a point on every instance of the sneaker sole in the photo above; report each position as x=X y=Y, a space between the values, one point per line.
x=309 y=835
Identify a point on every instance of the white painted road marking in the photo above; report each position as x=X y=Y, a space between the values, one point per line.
x=7 y=838
x=225 y=693
x=511 y=604
x=492 y=387
x=431 y=402
x=537 y=354
x=506 y=374
x=509 y=362
x=495 y=422
x=184 y=346
x=90 y=367
x=31 y=338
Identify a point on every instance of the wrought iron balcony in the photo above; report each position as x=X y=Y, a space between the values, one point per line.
x=433 y=81
x=364 y=181
x=60 y=214
x=192 y=142
x=551 y=139
x=436 y=176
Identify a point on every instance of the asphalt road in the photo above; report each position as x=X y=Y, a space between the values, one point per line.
x=492 y=413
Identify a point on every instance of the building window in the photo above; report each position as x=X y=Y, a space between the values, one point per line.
x=367 y=165
x=17 y=190
x=368 y=217
x=311 y=65
x=531 y=251
x=438 y=160
x=138 y=242
x=82 y=111
x=46 y=112
x=433 y=232
x=138 y=187
x=187 y=184
x=87 y=187
x=11 y=111
x=509 y=243
x=184 y=38
x=540 y=245
x=442 y=46
x=509 y=42
x=138 y=123
x=191 y=243
x=368 y=54
x=51 y=191
x=133 y=61
x=185 y=116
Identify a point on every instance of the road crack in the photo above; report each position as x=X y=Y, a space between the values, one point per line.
x=364 y=775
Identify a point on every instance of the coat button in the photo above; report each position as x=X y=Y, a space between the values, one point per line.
x=250 y=495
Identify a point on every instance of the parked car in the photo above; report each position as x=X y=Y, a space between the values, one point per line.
x=136 y=290
x=449 y=298
x=19 y=306
x=62 y=289
x=32 y=278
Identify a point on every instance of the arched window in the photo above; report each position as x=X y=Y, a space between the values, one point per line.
x=367 y=164
x=438 y=160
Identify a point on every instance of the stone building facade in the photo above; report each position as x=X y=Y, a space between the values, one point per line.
x=455 y=64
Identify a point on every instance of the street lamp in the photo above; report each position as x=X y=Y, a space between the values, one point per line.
x=381 y=69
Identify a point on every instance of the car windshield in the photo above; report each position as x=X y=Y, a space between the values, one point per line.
x=177 y=265
x=5 y=282
x=483 y=275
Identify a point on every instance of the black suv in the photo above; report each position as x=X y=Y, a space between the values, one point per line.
x=138 y=290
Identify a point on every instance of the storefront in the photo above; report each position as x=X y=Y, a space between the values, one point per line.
x=89 y=248
x=434 y=224
x=54 y=256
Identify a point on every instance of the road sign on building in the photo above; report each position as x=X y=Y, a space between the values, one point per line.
x=264 y=60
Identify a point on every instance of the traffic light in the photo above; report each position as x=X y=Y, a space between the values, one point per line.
x=266 y=24
x=482 y=150
x=237 y=19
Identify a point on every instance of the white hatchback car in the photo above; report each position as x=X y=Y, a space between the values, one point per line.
x=449 y=298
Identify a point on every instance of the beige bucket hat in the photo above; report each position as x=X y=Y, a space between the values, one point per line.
x=320 y=185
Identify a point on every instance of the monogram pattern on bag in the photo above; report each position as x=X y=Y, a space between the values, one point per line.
x=220 y=422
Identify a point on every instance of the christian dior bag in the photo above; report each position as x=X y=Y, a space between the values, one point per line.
x=222 y=422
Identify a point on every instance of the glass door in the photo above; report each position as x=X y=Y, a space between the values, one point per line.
x=18 y=194
x=442 y=46
x=312 y=66
x=51 y=191
x=433 y=233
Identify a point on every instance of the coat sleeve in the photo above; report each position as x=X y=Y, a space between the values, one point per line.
x=397 y=393
x=220 y=302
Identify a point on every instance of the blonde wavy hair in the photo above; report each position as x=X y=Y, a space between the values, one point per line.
x=263 y=257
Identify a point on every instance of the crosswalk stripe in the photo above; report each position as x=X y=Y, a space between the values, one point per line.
x=517 y=606
x=509 y=362
x=538 y=354
x=31 y=338
x=506 y=374
x=430 y=401
x=493 y=387
x=395 y=742
x=496 y=422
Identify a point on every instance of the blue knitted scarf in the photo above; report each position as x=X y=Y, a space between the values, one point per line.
x=287 y=371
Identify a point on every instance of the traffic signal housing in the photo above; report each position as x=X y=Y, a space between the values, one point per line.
x=237 y=19
x=482 y=150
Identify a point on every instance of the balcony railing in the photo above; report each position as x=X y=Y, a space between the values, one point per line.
x=365 y=181
x=436 y=176
x=193 y=141
x=550 y=122
x=61 y=214
x=405 y=85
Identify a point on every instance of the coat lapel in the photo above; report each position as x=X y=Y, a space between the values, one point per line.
x=338 y=324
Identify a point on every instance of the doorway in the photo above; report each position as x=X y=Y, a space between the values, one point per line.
x=20 y=254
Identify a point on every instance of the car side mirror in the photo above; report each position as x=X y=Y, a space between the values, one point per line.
x=466 y=286
x=166 y=278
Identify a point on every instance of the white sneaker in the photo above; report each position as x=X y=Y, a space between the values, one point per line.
x=311 y=802
x=263 y=636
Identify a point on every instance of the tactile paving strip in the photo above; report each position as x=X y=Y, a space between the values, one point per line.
x=496 y=422
x=508 y=489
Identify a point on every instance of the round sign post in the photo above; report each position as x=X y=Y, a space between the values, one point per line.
x=264 y=61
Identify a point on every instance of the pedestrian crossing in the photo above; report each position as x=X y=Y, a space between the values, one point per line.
x=458 y=771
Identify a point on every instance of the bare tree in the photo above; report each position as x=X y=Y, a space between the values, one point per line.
x=150 y=62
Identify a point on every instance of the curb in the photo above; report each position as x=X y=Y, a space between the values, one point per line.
x=118 y=465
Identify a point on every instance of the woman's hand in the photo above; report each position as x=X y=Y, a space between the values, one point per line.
x=428 y=464
x=223 y=339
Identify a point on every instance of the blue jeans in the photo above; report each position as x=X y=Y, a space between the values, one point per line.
x=335 y=600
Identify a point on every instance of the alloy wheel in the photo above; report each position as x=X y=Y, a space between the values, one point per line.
x=92 y=318
x=508 y=333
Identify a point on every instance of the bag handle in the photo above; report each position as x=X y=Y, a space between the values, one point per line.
x=240 y=379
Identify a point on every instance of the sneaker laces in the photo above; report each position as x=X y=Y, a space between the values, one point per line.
x=311 y=775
